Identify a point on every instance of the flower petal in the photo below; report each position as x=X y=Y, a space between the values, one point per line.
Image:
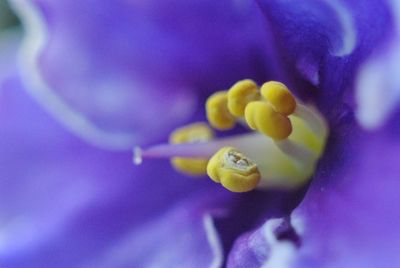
x=99 y=201
x=378 y=82
x=38 y=164
x=325 y=42
x=349 y=216
x=63 y=201
x=109 y=70
x=184 y=236
x=250 y=250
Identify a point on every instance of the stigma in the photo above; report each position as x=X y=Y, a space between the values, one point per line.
x=286 y=139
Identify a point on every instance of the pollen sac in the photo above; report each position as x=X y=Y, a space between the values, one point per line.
x=240 y=94
x=196 y=132
x=233 y=170
x=261 y=116
x=279 y=96
x=218 y=114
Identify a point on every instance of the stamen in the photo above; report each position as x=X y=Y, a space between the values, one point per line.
x=233 y=170
x=197 y=132
x=279 y=96
x=240 y=94
x=217 y=111
x=285 y=149
x=261 y=116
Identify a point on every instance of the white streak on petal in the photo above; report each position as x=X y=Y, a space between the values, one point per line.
x=378 y=81
x=378 y=87
x=282 y=252
x=214 y=241
x=164 y=242
x=349 y=32
x=33 y=43
x=297 y=223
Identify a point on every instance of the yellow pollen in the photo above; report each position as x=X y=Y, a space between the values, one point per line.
x=279 y=96
x=196 y=132
x=240 y=94
x=217 y=111
x=233 y=170
x=261 y=116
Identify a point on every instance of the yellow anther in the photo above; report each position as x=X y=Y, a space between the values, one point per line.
x=279 y=96
x=196 y=132
x=261 y=116
x=233 y=170
x=217 y=111
x=240 y=94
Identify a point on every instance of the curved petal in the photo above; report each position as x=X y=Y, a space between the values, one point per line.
x=247 y=212
x=63 y=201
x=357 y=203
x=349 y=216
x=38 y=164
x=111 y=70
x=325 y=42
x=111 y=235
x=264 y=247
x=184 y=236
x=250 y=250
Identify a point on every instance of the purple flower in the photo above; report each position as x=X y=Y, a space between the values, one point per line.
x=97 y=78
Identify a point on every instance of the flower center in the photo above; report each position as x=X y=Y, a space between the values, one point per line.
x=281 y=151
